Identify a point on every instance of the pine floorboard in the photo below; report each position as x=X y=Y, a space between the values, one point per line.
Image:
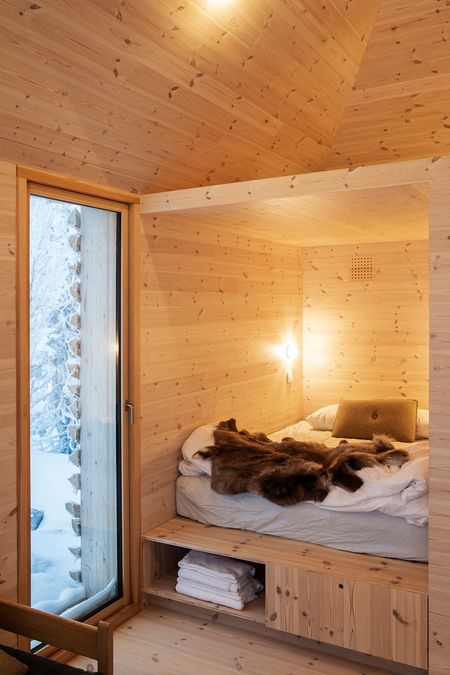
x=163 y=642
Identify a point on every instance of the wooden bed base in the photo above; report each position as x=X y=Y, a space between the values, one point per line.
x=378 y=606
x=95 y=642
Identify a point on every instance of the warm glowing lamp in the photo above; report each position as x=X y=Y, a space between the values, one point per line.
x=218 y=3
x=291 y=352
x=288 y=353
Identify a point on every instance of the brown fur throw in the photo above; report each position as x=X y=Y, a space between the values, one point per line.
x=291 y=471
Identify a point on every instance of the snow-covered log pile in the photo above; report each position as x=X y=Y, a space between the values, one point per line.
x=73 y=384
x=55 y=264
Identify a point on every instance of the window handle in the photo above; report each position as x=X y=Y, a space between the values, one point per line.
x=130 y=410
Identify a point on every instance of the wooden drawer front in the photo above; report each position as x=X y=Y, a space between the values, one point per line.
x=378 y=620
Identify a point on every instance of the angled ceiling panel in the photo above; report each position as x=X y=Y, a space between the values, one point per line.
x=400 y=106
x=156 y=94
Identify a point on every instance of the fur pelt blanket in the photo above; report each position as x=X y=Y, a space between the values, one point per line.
x=291 y=471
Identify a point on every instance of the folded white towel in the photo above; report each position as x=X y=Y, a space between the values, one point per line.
x=220 y=566
x=202 y=592
x=247 y=594
x=219 y=583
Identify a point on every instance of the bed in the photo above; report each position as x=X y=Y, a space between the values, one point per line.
x=372 y=532
x=95 y=642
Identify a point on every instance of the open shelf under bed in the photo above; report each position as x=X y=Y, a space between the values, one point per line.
x=370 y=604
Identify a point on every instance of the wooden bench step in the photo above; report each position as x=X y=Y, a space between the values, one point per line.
x=267 y=549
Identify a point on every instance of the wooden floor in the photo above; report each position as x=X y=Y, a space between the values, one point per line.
x=163 y=642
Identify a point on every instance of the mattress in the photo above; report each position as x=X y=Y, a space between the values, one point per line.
x=373 y=533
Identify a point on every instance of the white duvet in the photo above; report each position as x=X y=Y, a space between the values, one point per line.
x=401 y=492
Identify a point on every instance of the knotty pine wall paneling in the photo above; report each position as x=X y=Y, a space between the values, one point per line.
x=214 y=306
x=365 y=337
x=439 y=538
x=8 y=456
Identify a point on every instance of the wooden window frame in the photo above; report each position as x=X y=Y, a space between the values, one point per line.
x=47 y=184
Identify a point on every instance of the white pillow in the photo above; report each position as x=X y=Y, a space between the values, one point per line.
x=423 y=423
x=200 y=439
x=323 y=420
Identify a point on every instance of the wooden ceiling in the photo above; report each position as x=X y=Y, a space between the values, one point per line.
x=356 y=217
x=149 y=95
x=400 y=107
x=158 y=94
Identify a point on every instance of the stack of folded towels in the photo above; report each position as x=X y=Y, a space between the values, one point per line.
x=216 y=579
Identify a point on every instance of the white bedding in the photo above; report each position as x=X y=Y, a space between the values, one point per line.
x=401 y=492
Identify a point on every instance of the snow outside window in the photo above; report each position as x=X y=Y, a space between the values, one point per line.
x=75 y=437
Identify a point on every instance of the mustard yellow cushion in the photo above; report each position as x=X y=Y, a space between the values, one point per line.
x=11 y=666
x=363 y=419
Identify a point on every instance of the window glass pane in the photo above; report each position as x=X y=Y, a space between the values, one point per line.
x=74 y=398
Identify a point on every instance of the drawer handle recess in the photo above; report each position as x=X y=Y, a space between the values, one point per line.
x=399 y=617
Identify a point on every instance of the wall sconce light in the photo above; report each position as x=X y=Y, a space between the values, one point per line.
x=288 y=353
x=291 y=352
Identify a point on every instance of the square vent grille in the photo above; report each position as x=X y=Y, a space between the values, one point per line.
x=361 y=268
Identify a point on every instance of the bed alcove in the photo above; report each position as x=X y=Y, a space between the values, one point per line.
x=225 y=277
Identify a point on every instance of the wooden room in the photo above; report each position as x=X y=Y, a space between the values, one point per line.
x=224 y=310
x=275 y=310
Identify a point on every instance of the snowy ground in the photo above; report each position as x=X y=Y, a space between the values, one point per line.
x=52 y=588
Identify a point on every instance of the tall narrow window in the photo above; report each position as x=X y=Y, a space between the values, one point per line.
x=76 y=440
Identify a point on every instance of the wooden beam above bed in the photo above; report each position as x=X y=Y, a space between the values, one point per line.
x=322 y=182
